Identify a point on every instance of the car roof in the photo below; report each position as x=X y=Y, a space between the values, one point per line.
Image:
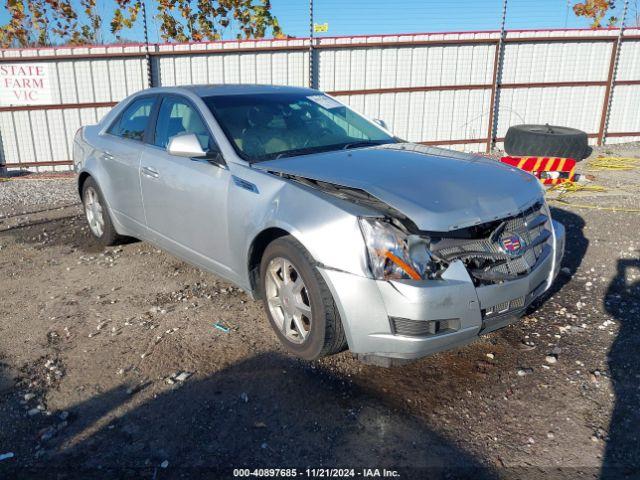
x=236 y=89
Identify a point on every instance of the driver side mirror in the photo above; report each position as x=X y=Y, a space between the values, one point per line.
x=380 y=122
x=185 y=145
x=188 y=145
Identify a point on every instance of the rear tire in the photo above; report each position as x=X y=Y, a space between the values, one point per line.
x=97 y=214
x=322 y=330
x=546 y=141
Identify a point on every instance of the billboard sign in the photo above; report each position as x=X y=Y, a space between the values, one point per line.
x=24 y=84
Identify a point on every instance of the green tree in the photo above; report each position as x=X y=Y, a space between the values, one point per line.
x=56 y=22
x=50 y=22
x=197 y=20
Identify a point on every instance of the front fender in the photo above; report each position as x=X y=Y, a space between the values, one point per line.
x=326 y=226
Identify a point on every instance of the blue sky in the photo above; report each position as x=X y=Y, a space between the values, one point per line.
x=358 y=17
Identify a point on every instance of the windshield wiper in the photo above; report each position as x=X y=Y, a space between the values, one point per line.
x=364 y=143
x=306 y=151
x=321 y=148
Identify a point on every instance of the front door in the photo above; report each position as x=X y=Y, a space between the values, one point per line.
x=185 y=200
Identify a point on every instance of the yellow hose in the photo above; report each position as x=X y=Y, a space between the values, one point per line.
x=573 y=187
x=596 y=207
x=613 y=163
x=567 y=188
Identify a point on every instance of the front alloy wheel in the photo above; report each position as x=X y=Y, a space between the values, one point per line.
x=298 y=301
x=288 y=300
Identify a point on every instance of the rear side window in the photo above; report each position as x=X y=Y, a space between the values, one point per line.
x=134 y=120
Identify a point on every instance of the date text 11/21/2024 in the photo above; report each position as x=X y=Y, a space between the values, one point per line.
x=316 y=473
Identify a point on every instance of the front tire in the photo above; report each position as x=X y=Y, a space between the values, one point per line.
x=97 y=214
x=298 y=302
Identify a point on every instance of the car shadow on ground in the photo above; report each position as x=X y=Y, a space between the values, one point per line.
x=69 y=231
x=270 y=411
x=622 y=301
x=575 y=247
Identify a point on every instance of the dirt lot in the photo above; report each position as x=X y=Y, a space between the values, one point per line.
x=93 y=342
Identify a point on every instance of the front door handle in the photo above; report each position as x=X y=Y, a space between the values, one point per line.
x=107 y=156
x=150 y=172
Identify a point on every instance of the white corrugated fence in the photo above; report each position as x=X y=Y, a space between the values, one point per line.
x=432 y=88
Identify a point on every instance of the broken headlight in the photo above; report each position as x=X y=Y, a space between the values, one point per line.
x=394 y=254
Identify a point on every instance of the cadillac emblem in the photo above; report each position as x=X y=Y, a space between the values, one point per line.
x=512 y=244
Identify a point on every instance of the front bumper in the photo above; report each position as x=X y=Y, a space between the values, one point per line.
x=381 y=318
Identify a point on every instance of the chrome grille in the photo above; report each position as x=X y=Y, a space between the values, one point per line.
x=487 y=259
x=421 y=328
x=504 y=307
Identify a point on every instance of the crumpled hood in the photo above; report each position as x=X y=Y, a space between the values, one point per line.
x=439 y=190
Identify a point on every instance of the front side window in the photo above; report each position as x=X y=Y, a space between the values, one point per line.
x=134 y=120
x=273 y=125
x=177 y=117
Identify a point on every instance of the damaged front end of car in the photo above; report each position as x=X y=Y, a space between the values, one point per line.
x=428 y=290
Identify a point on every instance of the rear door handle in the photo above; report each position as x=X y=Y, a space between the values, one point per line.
x=150 y=172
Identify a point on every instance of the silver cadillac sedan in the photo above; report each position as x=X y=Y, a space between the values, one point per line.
x=352 y=237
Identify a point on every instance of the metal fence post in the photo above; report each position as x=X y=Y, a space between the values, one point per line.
x=312 y=82
x=611 y=80
x=147 y=57
x=497 y=80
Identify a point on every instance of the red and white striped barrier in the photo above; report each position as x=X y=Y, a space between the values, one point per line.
x=549 y=170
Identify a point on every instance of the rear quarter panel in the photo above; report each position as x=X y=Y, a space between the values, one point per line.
x=88 y=148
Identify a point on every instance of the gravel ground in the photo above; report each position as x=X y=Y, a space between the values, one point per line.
x=22 y=195
x=110 y=365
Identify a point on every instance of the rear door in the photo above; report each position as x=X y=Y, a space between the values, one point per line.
x=121 y=158
x=185 y=199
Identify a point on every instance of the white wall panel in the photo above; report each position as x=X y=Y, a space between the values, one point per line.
x=39 y=127
x=629 y=62
x=577 y=107
x=58 y=135
x=297 y=68
x=215 y=64
x=421 y=116
x=556 y=62
x=24 y=136
x=84 y=80
x=247 y=68
x=625 y=109
x=182 y=70
x=101 y=83
x=9 y=152
x=66 y=79
x=431 y=115
x=280 y=68
x=614 y=140
x=118 y=79
x=199 y=70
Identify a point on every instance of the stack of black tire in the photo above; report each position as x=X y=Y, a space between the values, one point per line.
x=546 y=141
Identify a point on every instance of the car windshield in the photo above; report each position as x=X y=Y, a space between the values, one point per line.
x=275 y=125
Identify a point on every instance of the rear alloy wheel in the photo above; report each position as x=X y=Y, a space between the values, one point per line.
x=98 y=218
x=94 y=212
x=298 y=302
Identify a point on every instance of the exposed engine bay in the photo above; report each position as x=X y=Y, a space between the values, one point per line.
x=493 y=252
